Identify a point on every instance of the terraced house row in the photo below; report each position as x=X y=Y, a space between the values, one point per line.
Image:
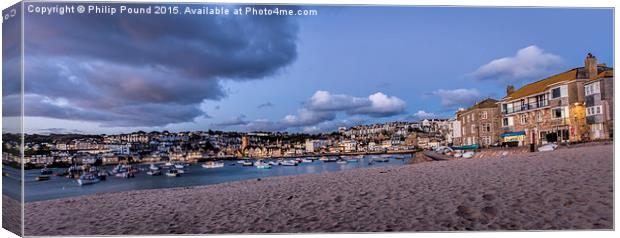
x=572 y=106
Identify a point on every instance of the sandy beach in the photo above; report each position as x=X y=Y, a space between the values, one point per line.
x=571 y=188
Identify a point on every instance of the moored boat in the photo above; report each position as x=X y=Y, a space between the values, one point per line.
x=43 y=178
x=46 y=171
x=153 y=167
x=341 y=161
x=212 y=165
x=88 y=178
x=154 y=172
x=381 y=159
x=262 y=165
x=173 y=173
x=288 y=163
x=247 y=163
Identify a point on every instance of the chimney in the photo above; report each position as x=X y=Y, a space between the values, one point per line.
x=510 y=89
x=590 y=66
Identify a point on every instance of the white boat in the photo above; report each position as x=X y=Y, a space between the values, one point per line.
x=262 y=165
x=273 y=163
x=247 y=163
x=179 y=166
x=468 y=154
x=307 y=161
x=212 y=165
x=173 y=173
x=341 y=161
x=288 y=163
x=154 y=172
x=153 y=167
x=240 y=161
x=168 y=164
x=88 y=178
x=323 y=158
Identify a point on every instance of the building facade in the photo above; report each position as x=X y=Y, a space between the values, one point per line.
x=479 y=124
x=550 y=110
x=599 y=95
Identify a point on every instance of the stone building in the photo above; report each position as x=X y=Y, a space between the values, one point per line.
x=479 y=124
x=599 y=94
x=549 y=110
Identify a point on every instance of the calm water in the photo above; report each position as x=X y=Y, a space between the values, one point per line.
x=59 y=187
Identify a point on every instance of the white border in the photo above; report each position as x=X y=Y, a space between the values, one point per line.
x=504 y=3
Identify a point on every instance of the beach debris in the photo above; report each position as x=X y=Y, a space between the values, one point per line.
x=548 y=147
x=258 y=179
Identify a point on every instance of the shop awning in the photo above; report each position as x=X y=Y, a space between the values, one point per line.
x=515 y=133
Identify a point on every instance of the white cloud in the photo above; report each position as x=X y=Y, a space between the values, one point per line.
x=320 y=111
x=375 y=105
x=424 y=115
x=461 y=97
x=529 y=62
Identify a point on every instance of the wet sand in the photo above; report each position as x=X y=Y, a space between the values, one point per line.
x=571 y=188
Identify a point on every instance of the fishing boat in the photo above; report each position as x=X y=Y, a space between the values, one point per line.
x=288 y=163
x=212 y=165
x=173 y=173
x=262 y=165
x=43 y=178
x=154 y=172
x=88 y=178
x=46 y=171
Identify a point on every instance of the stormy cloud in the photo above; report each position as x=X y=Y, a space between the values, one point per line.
x=146 y=71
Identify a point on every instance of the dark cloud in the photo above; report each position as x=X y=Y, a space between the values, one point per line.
x=235 y=121
x=462 y=97
x=141 y=70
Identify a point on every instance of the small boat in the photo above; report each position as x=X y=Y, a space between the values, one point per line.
x=273 y=163
x=247 y=163
x=168 y=164
x=333 y=159
x=468 y=154
x=323 y=158
x=288 y=163
x=153 y=167
x=173 y=173
x=307 y=160
x=212 y=165
x=88 y=178
x=381 y=159
x=262 y=165
x=154 y=172
x=43 y=178
x=548 y=147
x=179 y=166
x=102 y=175
x=120 y=168
x=46 y=171
x=240 y=161
x=341 y=161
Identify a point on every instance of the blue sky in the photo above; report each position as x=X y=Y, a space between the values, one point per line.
x=346 y=66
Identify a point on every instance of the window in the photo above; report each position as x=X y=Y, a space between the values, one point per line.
x=559 y=112
x=559 y=92
x=507 y=121
x=484 y=115
x=524 y=119
x=539 y=116
x=487 y=127
x=595 y=110
x=473 y=128
x=486 y=140
x=593 y=88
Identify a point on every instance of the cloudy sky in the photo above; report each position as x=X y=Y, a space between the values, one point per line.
x=346 y=66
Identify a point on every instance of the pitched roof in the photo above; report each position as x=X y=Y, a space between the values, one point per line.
x=542 y=85
x=486 y=103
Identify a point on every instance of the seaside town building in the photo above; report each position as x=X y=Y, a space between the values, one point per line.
x=479 y=124
x=552 y=109
x=599 y=93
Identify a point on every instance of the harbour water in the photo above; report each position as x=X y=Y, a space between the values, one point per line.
x=195 y=175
